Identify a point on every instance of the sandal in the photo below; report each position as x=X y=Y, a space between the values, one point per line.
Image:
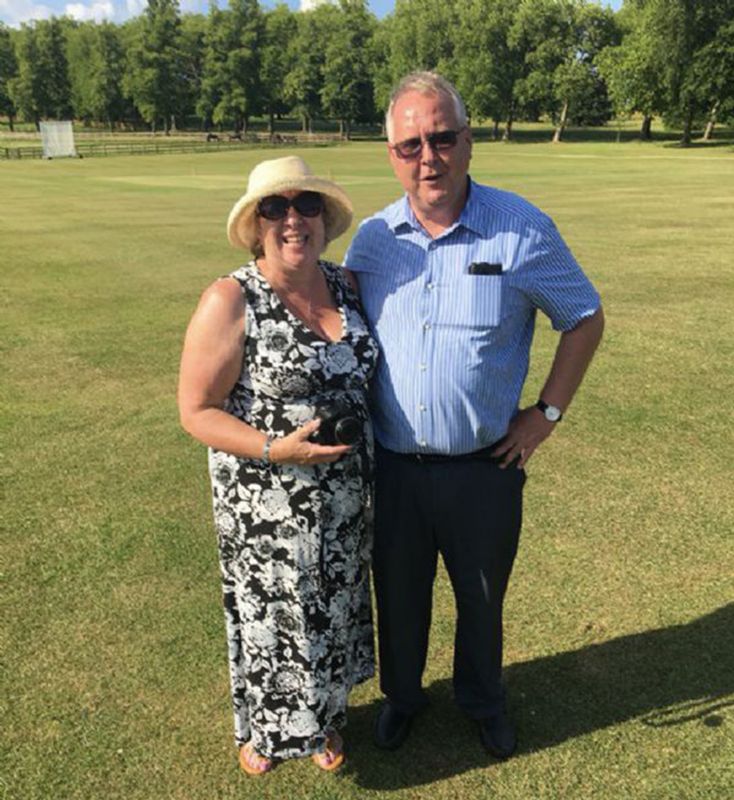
x=252 y=763
x=332 y=757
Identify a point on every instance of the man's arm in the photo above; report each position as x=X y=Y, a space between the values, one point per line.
x=573 y=355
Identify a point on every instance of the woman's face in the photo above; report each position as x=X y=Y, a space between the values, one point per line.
x=293 y=241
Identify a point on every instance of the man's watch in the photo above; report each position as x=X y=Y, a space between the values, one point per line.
x=551 y=413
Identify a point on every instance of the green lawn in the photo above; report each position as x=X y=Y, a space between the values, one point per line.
x=620 y=656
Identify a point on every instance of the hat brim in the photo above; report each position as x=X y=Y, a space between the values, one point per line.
x=242 y=224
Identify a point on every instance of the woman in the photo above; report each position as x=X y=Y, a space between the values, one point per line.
x=272 y=351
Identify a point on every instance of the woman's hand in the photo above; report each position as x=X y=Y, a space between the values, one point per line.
x=296 y=448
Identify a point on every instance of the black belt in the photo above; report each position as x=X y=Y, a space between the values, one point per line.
x=485 y=454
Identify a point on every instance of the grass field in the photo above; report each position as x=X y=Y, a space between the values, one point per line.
x=620 y=621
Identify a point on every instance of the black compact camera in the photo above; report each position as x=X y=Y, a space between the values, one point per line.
x=338 y=425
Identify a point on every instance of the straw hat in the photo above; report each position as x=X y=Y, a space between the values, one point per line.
x=283 y=175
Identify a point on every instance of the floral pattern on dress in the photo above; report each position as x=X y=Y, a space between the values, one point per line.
x=295 y=541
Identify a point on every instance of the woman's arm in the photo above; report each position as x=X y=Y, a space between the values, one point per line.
x=210 y=365
x=352 y=278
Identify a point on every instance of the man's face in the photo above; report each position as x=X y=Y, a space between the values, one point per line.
x=435 y=180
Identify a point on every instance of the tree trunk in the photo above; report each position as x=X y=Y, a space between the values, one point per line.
x=304 y=124
x=271 y=123
x=645 y=129
x=708 y=132
x=561 y=127
x=687 y=128
x=245 y=123
x=172 y=128
x=507 y=135
x=10 y=122
x=495 y=129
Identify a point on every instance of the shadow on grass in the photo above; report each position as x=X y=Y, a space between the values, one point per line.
x=671 y=676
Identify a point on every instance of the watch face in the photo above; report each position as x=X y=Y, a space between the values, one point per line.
x=552 y=414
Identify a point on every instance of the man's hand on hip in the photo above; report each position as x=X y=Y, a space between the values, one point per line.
x=527 y=430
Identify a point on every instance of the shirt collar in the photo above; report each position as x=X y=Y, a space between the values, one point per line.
x=401 y=214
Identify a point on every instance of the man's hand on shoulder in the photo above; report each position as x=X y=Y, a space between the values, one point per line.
x=527 y=430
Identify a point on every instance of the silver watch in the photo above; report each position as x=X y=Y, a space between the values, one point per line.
x=551 y=413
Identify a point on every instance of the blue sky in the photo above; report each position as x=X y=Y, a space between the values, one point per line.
x=13 y=12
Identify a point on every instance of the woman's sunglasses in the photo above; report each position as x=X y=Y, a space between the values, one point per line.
x=275 y=206
x=440 y=141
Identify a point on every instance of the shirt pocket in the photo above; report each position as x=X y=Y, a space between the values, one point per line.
x=480 y=299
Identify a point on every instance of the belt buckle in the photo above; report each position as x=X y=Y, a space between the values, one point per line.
x=420 y=458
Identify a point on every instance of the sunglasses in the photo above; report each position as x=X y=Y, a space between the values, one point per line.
x=275 y=206
x=441 y=141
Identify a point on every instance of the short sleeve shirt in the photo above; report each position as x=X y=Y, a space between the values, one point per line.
x=455 y=316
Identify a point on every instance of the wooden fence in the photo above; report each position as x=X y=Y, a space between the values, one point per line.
x=205 y=144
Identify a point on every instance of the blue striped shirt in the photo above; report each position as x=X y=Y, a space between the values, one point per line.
x=455 y=346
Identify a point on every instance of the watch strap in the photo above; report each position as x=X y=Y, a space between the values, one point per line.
x=543 y=406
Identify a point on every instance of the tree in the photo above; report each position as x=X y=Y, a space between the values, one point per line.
x=305 y=79
x=193 y=35
x=212 y=72
x=713 y=76
x=674 y=60
x=631 y=71
x=488 y=66
x=96 y=66
x=347 y=92
x=422 y=37
x=696 y=58
x=280 y=26
x=383 y=78
x=8 y=71
x=153 y=76
x=230 y=78
x=41 y=88
x=562 y=39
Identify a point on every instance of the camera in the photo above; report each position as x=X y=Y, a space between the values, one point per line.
x=338 y=425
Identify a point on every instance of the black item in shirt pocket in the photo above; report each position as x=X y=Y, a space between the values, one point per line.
x=484 y=268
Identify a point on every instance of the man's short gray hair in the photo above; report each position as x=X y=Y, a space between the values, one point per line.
x=425 y=83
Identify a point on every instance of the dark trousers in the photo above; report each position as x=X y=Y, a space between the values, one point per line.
x=471 y=512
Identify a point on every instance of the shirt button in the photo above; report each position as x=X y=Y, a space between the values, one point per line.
x=422 y=367
x=427 y=326
x=423 y=443
x=421 y=407
x=429 y=286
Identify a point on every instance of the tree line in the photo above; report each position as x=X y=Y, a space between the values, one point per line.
x=570 y=61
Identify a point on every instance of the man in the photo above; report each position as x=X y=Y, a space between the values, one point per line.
x=451 y=277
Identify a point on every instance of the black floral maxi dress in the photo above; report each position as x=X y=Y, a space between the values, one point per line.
x=295 y=541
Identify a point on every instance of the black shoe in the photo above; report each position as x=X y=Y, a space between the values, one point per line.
x=497 y=735
x=391 y=727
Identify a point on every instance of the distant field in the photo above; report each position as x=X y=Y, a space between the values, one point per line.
x=620 y=665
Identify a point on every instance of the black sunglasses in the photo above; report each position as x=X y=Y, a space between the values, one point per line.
x=412 y=148
x=275 y=206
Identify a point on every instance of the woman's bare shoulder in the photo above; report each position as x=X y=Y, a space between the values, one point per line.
x=223 y=297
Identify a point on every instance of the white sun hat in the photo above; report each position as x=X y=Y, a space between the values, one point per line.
x=282 y=175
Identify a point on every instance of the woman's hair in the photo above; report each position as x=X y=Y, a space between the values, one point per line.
x=425 y=83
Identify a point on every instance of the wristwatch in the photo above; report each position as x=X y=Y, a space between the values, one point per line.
x=551 y=413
